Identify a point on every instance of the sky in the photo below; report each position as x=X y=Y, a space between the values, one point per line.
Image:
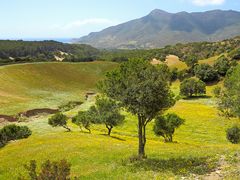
x=75 y=18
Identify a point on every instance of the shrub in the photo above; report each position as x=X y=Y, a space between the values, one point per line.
x=59 y=119
x=3 y=139
x=165 y=126
x=217 y=91
x=233 y=134
x=174 y=74
x=13 y=132
x=49 y=170
x=192 y=86
x=70 y=105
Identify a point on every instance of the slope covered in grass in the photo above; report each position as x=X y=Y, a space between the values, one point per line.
x=199 y=143
x=39 y=85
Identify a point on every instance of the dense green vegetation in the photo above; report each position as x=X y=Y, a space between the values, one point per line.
x=186 y=52
x=13 y=132
x=229 y=103
x=49 y=170
x=192 y=86
x=39 y=51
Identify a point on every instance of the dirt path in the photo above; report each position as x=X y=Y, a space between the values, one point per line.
x=218 y=173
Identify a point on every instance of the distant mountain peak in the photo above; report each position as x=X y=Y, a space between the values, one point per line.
x=160 y=28
x=158 y=12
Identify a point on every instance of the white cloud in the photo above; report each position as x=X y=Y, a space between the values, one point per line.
x=84 y=23
x=207 y=2
x=81 y=27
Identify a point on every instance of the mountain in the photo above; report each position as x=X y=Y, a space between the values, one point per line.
x=160 y=28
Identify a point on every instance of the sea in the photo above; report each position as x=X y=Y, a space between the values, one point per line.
x=63 y=40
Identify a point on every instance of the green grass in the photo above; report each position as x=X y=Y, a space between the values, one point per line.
x=39 y=85
x=199 y=143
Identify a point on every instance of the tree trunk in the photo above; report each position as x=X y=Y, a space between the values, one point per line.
x=109 y=129
x=89 y=130
x=67 y=128
x=141 y=137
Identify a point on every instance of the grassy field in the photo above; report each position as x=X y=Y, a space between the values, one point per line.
x=39 y=85
x=198 y=146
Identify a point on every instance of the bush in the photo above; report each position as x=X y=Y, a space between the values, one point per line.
x=3 y=139
x=217 y=91
x=165 y=126
x=70 y=105
x=174 y=74
x=13 y=132
x=192 y=86
x=233 y=134
x=206 y=73
x=183 y=74
x=49 y=170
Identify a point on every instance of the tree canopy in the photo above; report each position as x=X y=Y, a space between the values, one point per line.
x=165 y=126
x=59 y=119
x=107 y=111
x=192 y=86
x=229 y=103
x=142 y=89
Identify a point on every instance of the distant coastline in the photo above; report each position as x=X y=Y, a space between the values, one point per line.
x=63 y=40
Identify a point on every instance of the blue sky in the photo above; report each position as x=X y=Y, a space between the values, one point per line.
x=75 y=18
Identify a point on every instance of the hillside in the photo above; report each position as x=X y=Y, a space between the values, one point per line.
x=42 y=85
x=160 y=28
x=198 y=146
x=200 y=50
x=42 y=51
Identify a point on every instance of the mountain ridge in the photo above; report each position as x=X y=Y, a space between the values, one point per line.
x=160 y=28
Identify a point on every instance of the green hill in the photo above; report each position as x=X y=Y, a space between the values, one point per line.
x=199 y=144
x=41 y=51
x=40 y=85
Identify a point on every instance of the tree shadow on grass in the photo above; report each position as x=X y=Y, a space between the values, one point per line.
x=178 y=166
x=197 y=97
x=114 y=137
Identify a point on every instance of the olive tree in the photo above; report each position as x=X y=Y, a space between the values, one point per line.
x=206 y=73
x=59 y=119
x=83 y=119
x=222 y=65
x=165 y=126
x=191 y=61
x=143 y=90
x=107 y=111
x=192 y=86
